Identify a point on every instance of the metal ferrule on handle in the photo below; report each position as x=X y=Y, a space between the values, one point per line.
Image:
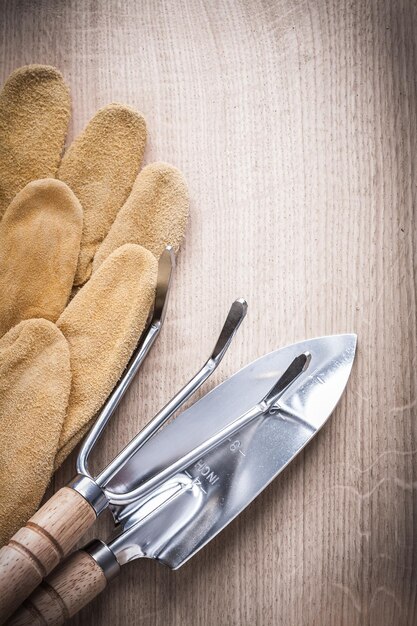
x=169 y=526
x=52 y=532
x=98 y=564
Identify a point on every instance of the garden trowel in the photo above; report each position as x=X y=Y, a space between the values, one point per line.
x=172 y=492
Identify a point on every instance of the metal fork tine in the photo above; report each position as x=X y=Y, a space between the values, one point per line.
x=166 y=266
x=234 y=318
x=263 y=407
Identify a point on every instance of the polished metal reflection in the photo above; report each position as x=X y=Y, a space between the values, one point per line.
x=105 y=558
x=268 y=404
x=234 y=319
x=189 y=509
x=166 y=266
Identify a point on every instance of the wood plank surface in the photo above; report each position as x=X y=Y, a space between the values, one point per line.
x=294 y=123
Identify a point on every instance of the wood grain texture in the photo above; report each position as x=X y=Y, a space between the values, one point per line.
x=37 y=548
x=70 y=587
x=294 y=123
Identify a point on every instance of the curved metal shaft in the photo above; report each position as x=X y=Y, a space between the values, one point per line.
x=165 y=269
x=235 y=316
x=267 y=404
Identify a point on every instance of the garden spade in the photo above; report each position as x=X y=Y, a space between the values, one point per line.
x=182 y=486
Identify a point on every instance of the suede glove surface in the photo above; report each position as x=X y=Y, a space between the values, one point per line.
x=89 y=226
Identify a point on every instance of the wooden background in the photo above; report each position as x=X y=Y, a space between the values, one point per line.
x=294 y=122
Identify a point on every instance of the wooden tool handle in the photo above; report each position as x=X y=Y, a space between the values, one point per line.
x=38 y=547
x=74 y=584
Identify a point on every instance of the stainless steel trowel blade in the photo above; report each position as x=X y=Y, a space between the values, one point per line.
x=198 y=502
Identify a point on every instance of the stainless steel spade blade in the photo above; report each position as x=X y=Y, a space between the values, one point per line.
x=199 y=501
x=65 y=517
x=247 y=430
x=331 y=360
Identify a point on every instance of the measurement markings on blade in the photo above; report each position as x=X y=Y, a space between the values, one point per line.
x=235 y=446
x=195 y=481
x=206 y=472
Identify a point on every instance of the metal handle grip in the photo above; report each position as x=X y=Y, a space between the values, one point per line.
x=71 y=587
x=39 y=546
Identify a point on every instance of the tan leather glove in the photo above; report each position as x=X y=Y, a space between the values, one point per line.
x=111 y=203
x=102 y=225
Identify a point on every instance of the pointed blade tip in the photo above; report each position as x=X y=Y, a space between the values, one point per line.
x=349 y=340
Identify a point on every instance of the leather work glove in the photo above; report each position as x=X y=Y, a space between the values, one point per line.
x=87 y=224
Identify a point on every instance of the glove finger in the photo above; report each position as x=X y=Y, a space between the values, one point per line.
x=154 y=215
x=100 y=167
x=39 y=244
x=34 y=113
x=35 y=380
x=102 y=325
